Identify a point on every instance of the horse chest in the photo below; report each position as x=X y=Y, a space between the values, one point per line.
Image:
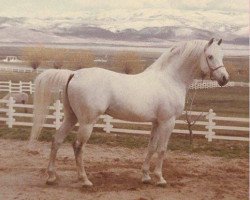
x=172 y=104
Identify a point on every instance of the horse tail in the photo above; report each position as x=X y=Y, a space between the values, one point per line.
x=46 y=83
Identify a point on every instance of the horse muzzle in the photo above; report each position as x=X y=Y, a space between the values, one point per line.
x=223 y=81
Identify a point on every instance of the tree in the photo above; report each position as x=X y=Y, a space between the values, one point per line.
x=128 y=62
x=81 y=59
x=33 y=56
x=58 y=57
x=190 y=119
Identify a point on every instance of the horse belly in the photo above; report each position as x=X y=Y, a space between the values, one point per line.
x=141 y=112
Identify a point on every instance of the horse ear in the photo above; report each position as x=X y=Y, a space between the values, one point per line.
x=220 y=41
x=210 y=42
x=174 y=50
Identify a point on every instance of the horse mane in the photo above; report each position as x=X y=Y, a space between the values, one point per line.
x=180 y=53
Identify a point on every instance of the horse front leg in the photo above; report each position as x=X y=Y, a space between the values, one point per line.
x=165 y=129
x=151 y=150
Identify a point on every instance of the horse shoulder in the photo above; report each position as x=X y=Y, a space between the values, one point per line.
x=171 y=103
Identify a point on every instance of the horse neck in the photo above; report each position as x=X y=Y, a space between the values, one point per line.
x=180 y=67
x=184 y=72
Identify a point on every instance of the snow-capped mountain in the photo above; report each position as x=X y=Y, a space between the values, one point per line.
x=145 y=25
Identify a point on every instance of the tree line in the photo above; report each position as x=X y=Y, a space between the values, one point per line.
x=125 y=62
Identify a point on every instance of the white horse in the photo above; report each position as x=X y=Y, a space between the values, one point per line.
x=156 y=95
x=19 y=97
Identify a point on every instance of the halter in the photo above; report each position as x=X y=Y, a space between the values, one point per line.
x=211 y=69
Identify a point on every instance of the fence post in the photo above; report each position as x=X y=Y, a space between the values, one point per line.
x=108 y=126
x=10 y=112
x=30 y=87
x=57 y=114
x=210 y=125
x=10 y=86
x=20 y=86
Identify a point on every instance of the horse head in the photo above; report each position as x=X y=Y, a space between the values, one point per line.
x=212 y=62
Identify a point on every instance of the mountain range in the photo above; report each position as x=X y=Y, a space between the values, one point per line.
x=154 y=27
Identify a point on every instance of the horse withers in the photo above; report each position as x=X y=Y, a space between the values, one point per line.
x=156 y=95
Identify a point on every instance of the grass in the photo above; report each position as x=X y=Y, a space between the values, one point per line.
x=178 y=142
x=17 y=76
x=238 y=68
x=233 y=101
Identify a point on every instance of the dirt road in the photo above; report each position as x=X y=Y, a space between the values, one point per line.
x=115 y=173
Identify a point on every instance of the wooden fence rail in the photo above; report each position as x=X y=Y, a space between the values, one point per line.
x=11 y=114
x=21 y=69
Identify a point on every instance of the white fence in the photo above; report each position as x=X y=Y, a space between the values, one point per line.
x=205 y=84
x=9 y=86
x=207 y=124
x=21 y=69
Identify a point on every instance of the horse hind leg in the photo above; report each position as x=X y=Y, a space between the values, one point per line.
x=68 y=123
x=83 y=135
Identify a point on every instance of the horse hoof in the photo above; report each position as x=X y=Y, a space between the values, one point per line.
x=87 y=183
x=146 y=180
x=161 y=183
x=51 y=180
x=33 y=152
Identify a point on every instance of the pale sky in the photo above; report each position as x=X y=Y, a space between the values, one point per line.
x=76 y=8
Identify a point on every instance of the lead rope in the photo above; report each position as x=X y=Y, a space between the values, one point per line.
x=195 y=91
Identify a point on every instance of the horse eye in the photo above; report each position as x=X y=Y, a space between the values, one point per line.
x=210 y=57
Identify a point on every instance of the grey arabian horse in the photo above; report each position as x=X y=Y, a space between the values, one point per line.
x=155 y=95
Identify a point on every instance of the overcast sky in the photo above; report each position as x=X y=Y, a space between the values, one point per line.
x=71 y=8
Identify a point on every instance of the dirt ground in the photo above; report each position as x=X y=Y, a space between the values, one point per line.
x=115 y=173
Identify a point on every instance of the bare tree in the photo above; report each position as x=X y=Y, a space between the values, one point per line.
x=54 y=57
x=58 y=58
x=33 y=56
x=128 y=62
x=190 y=119
x=81 y=59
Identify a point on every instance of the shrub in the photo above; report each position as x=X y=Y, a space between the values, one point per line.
x=57 y=57
x=33 y=56
x=81 y=59
x=128 y=62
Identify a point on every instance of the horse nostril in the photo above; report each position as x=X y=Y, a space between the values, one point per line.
x=224 y=79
